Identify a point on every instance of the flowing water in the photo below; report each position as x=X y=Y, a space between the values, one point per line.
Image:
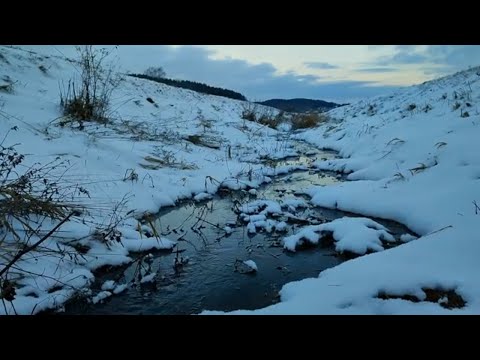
x=206 y=271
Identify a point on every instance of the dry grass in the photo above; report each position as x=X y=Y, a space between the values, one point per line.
x=205 y=141
x=270 y=121
x=28 y=199
x=6 y=88
x=167 y=159
x=89 y=98
x=4 y=58
x=448 y=299
x=43 y=69
x=263 y=115
x=32 y=195
x=306 y=121
x=77 y=108
x=249 y=114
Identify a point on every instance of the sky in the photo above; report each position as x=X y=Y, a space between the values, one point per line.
x=340 y=73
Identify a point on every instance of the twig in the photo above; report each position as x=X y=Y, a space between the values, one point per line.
x=477 y=208
x=436 y=231
x=13 y=307
x=209 y=223
x=4 y=306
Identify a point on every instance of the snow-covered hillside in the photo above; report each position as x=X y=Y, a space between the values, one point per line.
x=411 y=157
x=164 y=144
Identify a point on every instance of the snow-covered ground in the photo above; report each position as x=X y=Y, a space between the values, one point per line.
x=151 y=156
x=411 y=157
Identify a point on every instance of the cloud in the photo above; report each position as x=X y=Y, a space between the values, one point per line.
x=456 y=56
x=307 y=78
x=446 y=57
x=255 y=81
x=374 y=47
x=406 y=54
x=409 y=58
x=319 y=65
x=290 y=87
x=377 y=69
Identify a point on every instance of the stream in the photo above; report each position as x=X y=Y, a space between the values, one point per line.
x=205 y=271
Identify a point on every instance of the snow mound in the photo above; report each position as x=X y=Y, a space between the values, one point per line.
x=251 y=264
x=356 y=235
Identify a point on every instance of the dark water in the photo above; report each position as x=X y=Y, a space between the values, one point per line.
x=210 y=279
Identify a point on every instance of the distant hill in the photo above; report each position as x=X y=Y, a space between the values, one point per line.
x=301 y=105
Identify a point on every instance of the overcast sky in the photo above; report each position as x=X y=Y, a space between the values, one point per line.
x=340 y=73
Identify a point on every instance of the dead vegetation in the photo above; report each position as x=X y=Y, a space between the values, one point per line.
x=421 y=167
x=250 y=111
x=43 y=69
x=272 y=121
x=143 y=131
x=165 y=158
x=371 y=110
x=309 y=120
x=88 y=99
x=263 y=115
x=27 y=200
x=267 y=117
x=447 y=299
x=201 y=140
x=8 y=86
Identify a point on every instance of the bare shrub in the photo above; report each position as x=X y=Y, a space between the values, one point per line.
x=250 y=111
x=306 y=121
x=89 y=98
x=27 y=199
x=155 y=72
x=269 y=119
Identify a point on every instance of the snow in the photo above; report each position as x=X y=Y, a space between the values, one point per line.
x=148 y=278
x=137 y=245
x=357 y=235
x=407 y=237
x=270 y=207
x=111 y=286
x=418 y=167
x=101 y=296
x=202 y=197
x=251 y=264
x=251 y=228
x=294 y=203
x=255 y=218
x=108 y=285
x=120 y=288
x=259 y=211
x=284 y=127
x=228 y=230
x=281 y=226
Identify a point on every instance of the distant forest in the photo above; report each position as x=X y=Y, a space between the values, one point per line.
x=195 y=86
x=301 y=105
